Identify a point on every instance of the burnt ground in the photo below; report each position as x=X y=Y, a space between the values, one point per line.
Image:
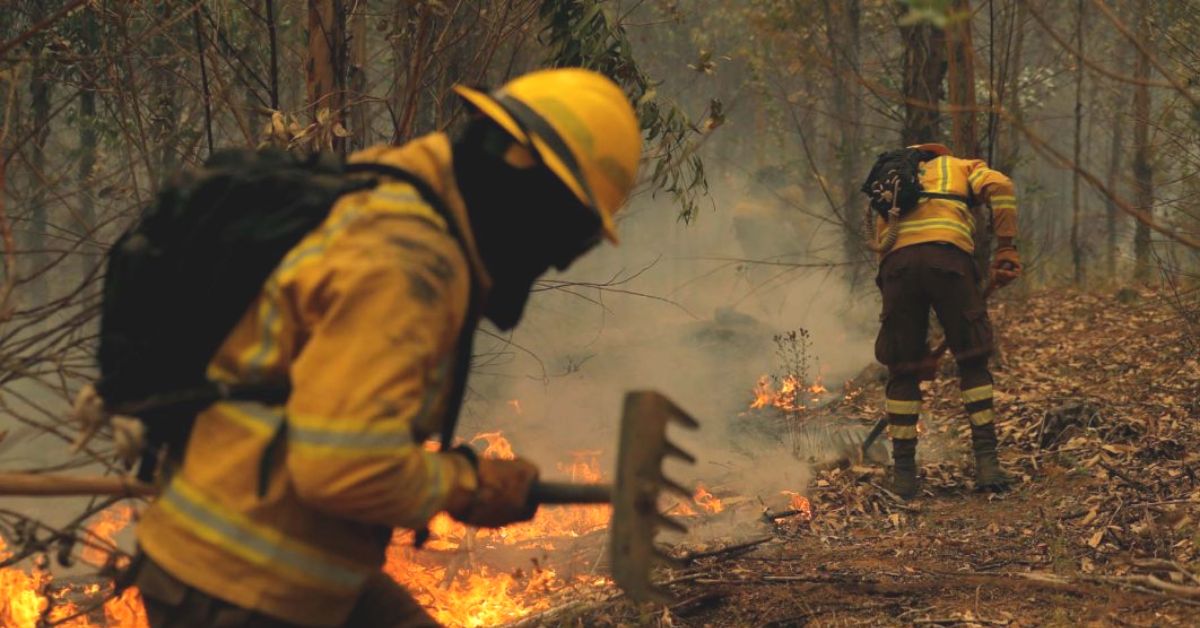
x=1098 y=397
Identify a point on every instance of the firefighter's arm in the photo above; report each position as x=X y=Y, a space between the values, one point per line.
x=998 y=190
x=383 y=305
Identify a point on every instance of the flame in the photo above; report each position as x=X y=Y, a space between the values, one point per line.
x=26 y=598
x=707 y=500
x=104 y=529
x=445 y=580
x=793 y=394
x=799 y=502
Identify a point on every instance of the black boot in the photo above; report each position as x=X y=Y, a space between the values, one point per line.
x=988 y=474
x=904 y=467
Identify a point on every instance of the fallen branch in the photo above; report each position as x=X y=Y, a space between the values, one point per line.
x=1122 y=476
x=732 y=549
x=771 y=517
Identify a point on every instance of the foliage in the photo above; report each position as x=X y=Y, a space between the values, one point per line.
x=588 y=34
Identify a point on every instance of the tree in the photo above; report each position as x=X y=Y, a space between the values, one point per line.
x=924 y=70
x=1143 y=172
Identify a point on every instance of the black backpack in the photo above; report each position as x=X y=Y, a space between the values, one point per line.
x=895 y=179
x=181 y=277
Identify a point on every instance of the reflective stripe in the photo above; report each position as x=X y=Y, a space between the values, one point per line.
x=979 y=393
x=902 y=432
x=1000 y=198
x=256 y=417
x=983 y=417
x=257 y=544
x=1004 y=206
x=935 y=223
x=977 y=175
x=438 y=488
x=945 y=184
x=897 y=406
x=269 y=329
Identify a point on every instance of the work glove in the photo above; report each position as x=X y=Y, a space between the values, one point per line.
x=1006 y=266
x=502 y=495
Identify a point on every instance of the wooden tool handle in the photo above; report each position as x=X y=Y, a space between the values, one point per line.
x=44 y=485
x=568 y=493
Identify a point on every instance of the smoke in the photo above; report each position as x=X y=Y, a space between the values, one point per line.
x=687 y=310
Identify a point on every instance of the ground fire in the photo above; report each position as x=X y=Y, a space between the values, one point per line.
x=464 y=576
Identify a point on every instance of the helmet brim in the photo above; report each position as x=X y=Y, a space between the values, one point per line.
x=486 y=105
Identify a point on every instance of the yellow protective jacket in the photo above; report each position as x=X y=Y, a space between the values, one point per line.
x=288 y=509
x=946 y=220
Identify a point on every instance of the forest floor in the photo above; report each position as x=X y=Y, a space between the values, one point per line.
x=1098 y=397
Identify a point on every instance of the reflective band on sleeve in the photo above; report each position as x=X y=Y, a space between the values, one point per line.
x=902 y=432
x=979 y=393
x=254 y=543
x=897 y=406
x=983 y=417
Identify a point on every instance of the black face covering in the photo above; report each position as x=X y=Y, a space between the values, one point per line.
x=524 y=220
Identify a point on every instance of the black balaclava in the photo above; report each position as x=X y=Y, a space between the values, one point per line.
x=525 y=220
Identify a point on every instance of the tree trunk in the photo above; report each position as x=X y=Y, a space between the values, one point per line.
x=843 y=20
x=88 y=141
x=1009 y=142
x=960 y=58
x=924 y=69
x=1143 y=173
x=40 y=83
x=1076 y=201
x=326 y=67
x=359 y=110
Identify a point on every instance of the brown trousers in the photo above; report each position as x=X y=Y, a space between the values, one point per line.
x=173 y=604
x=913 y=280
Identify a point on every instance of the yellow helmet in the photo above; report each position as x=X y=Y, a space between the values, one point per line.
x=938 y=149
x=581 y=125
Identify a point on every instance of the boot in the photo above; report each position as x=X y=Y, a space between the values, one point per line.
x=988 y=474
x=904 y=467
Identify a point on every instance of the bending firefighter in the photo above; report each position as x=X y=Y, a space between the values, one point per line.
x=279 y=515
x=926 y=242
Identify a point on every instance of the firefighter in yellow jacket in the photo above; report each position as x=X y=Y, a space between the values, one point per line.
x=930 y=264
x=279 y=516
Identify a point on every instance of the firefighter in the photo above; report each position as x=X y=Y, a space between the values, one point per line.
x=280 y=515
x=931 y=265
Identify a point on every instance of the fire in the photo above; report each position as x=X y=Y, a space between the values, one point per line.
x=445 y=578
x=707 y=500
x=104 y=529
x=793 y=395
x=799 y=502
x=31 y=599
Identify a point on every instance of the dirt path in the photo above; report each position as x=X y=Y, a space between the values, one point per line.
x=1098 y=397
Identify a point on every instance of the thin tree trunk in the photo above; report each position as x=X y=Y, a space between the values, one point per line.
x=924 y=69
x=960 y=58
x=843 y=34
x=1076 y=201
x=1010 y=141
x=1143 y=172
x=40 y=84
x=1120 y=100
x=325 y=70
x=88 y=139
x=164 y=117
x=272 y=35
x=359 y=110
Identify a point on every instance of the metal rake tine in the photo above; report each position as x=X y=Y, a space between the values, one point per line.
x=673 y=450
x=670 y=523
x=675 y=487
x=677 y=415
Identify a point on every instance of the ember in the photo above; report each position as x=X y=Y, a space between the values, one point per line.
x=800 y=502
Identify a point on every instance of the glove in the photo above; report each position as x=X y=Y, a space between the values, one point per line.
x=1006 y=266
x=502 y=494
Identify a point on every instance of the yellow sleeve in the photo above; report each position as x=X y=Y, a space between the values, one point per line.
x=382 y=307
x=997 y=189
